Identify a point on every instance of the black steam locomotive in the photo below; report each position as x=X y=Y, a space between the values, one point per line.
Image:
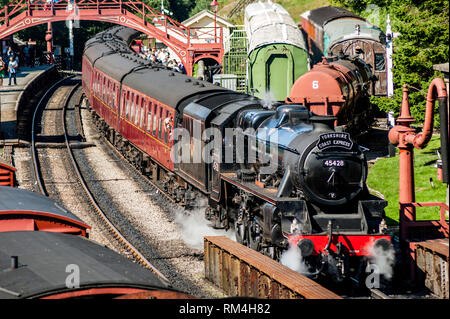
x=281 y=176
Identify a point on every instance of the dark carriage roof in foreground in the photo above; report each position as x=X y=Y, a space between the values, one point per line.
x=16 y=199
x=43 y=260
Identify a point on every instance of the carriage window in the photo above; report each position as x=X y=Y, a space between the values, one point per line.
x=113 y=95
x=142 y=113
x=167 y=127
x=128 y=105
x=108 y=92
x=124 y=101
x=160 y=123
x=380 y=64
x=105 y=89
x=138 y=109
x=132 y=108
x=149 y=117
x=154 y=119
x=95 y=83
x=98 y=84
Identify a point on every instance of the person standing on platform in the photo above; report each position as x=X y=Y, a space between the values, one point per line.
x=12 y=69
x=3 y=68
x=10 y=53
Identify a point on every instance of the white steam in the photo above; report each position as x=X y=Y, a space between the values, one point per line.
x=268 y=100
x=293 y=259
x=194 y=227
x=383 y=260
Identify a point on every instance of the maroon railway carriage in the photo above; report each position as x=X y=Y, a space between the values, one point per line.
x=132 y=104
x=45 y=265
x=7 y=175
x=22 y=210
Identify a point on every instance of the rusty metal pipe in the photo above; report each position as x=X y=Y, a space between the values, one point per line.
x=436 y=90
x=445 y=139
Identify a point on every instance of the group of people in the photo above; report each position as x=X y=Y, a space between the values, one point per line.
x=9 y=64
x=162 y=56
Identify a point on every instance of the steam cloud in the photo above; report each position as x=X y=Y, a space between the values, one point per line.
x=292 y=258
x=268 y=100
x=384 y=259
x=194 y=227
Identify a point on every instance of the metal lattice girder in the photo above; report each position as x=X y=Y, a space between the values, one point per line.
x=235 y=59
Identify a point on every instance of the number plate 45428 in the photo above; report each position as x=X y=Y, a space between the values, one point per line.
x=334 y=163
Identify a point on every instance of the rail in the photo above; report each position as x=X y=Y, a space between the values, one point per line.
x=136 y=253
x=34 y=157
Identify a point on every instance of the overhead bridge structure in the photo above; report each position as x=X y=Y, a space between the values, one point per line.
x=190 y=44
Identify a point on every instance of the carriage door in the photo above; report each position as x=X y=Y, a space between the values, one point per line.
x=373 y=54
x=214 y=167
x=380 y=69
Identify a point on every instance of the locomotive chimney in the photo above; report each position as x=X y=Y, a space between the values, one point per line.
x=14 y=262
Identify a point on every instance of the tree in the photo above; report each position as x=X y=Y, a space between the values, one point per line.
x=199 y=6
x=423 y=42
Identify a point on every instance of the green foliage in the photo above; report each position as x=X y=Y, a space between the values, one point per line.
x=200 y=5
x=423 y=42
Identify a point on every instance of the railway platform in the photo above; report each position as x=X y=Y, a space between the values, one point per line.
x=10 y=97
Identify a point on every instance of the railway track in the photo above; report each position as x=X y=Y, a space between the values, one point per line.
x=81 y=180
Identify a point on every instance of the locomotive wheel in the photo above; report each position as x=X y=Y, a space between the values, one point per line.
x=254 y=237
x=241 y=233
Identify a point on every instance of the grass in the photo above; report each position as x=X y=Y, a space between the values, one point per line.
x=294 y=7
x=383 y=178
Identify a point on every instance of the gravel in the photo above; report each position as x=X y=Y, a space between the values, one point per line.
x=171 y=238
x=156 y=226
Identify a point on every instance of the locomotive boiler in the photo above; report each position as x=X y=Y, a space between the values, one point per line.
x=338 y=86
x=280 y=176
x=330 y=30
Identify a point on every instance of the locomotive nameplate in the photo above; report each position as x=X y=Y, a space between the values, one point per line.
x=334 y=163
x=332 y=140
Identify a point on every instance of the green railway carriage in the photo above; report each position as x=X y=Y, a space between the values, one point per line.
x=277 y=53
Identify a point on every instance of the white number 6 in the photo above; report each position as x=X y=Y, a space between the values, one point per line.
x=315 y=85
